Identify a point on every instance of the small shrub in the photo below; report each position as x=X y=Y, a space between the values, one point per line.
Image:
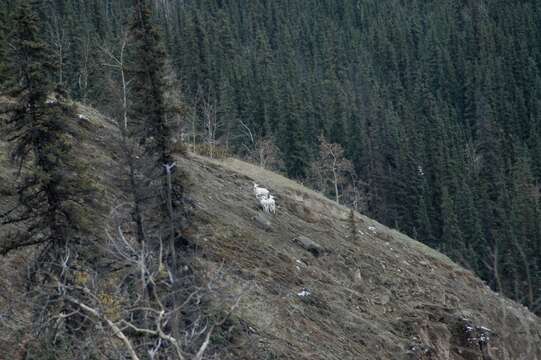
x=216 y=152
x=81 y=278
x=179 y=148
x=111 y=305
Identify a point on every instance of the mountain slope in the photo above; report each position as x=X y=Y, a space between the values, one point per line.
x=379 y=296
x=310 y=289
x=434 y=101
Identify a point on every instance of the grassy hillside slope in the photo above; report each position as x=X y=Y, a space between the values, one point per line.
x=374 y=295
x=381 y=295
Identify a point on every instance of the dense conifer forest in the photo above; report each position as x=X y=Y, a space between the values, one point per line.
x=425 y=115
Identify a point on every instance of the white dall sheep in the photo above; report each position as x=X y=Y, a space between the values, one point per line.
x=264 y=201
x=272 y=204
x=260 y=192
x=268 y=204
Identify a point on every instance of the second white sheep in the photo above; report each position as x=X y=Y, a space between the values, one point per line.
x=268 y=203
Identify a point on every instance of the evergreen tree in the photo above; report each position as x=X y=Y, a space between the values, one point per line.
x=451 y=239
x=291 y=141
x=163 y=204
x=54 y=192
x=148 y=108
x=51 y=194
x=423 y=229
x=524 y=226
x=471 y=227
x=3 y=45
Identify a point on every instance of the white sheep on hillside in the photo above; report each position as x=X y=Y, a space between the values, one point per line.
x=268 y=203
x=272 y=204
x=266 y=200
x=260 y=192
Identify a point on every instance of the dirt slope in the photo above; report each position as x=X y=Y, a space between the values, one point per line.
x=375 y=295
x=380 y=295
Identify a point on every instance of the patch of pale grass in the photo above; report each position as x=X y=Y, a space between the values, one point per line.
x=424 y=249
x=96 y=118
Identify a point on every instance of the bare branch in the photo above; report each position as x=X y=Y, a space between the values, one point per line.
x=116 y=330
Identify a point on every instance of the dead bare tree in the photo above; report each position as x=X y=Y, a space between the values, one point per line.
x=332 y=166
x=84 y=72
x=260 y=150
x=60 y=43
x=177 y=110
x=353 y=193
x=130 y=149
x=267 y=154
x=209 y=118
x=124 y=311
x=193 y=121
x=118 y=62
x=249 y=135
x=110 y=307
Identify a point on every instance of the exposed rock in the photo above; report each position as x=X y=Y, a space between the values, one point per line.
x=262 y=221
x=309 y=245
x=419 y=351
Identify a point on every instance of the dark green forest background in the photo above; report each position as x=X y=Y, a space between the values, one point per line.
x=436 y=103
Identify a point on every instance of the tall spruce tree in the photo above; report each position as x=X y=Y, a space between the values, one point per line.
x=3 y=45
x=148 y=112
x=148 y=109
x=53 y=190
x=38 y=129
x=451 y=239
